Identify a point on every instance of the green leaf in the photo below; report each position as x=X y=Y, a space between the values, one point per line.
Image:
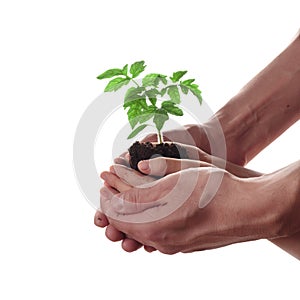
x=174 y=94
x=171 y=108
x=133 y=121
x=153 y=101
x=142 y=102
x=110 y=73
x=163 y=91
x=130 y=93
x=145 y=117
x=133 y=94
x=187 y=85
x=116 y=84
x=163 y=79
x=147 y=113
x=188 y=82
x=184 y=89
x=152 y=94
x=194 y=89
x=177 y=75
x=125 y=70
x=137 y=68
x=150 y=79
x=153 y=79
x=136 y=131
x=133 y=114
x=160 y=117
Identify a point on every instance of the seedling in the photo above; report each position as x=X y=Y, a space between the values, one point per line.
x=154 y=99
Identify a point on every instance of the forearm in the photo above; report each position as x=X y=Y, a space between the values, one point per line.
x=264 y=108
x=288 y=176
x=290 y=244
x=282 y=191
x=290 y=229
x=267 y=106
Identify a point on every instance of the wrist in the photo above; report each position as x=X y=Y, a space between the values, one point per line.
x=267 y=106
x=199 y=136
x=234 y=123
x=277 y=199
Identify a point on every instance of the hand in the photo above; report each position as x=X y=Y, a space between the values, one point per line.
x=196 y=158
x=194 y=153
x=134 y=178
x=240 y=211
x=101 y=219
x=189 y=135
x=157 y=168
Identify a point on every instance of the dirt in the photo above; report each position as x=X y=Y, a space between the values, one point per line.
x=141 y=151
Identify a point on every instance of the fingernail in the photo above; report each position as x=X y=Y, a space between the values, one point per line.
x=98 y=218
x=143 y=165
x=104 y=176
x=98 y=215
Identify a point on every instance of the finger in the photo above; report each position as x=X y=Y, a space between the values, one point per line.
x=130 y=176
x=107 y=191
x=161 y=166
x=149 y=248
x=140 y=199
x=100 y=219
x=130 y=245
x=115 y=182
x=121 y=161
x=109 y=187
x=127 y=157
x=114 y=234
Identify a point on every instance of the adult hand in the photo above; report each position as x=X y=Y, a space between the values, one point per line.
x=160 y=167
x=189 y=135
x=241 y=210
x=194 y=153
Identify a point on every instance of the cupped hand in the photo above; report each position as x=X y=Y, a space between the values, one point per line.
x=101 y=220
x=235 y=214
x=159 y=167
x=189 y=135
x=133 y=178
x=156 y=167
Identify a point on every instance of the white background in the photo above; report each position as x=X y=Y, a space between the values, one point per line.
x=51 y=53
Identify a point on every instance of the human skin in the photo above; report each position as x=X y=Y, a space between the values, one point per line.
x=267 y=106
x=263 y=109
x=243 y=209
x=197 y=158
x=164 y=166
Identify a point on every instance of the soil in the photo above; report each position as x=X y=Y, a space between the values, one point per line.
x=140 y=151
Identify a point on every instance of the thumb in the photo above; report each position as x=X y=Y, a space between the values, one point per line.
x=144 y=197
x=137 y=199
x=161 y=166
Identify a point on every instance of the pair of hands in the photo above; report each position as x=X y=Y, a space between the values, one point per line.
x=172 y=214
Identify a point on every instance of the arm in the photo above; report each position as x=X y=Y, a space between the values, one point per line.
x=242 y=209
x=289 y=176
x=267 y=106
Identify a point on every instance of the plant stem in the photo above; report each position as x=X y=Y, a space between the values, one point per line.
x=160 y=137
x=135 y=82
